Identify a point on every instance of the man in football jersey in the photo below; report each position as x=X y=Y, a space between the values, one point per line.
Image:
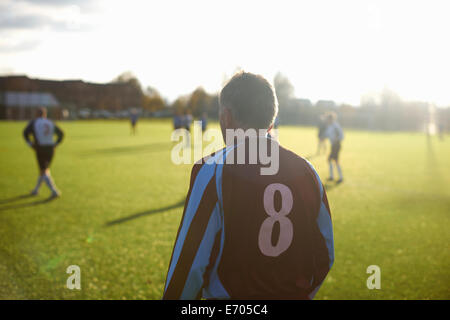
x=322 y=126
x=204 y=121
x=43 y=130
x=247 y=233
x=134 y=117
x=187 y=120
x=335 y=135
x=177 y=120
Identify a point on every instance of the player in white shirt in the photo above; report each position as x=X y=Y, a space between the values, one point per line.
x=43 y=130
x=335 y=134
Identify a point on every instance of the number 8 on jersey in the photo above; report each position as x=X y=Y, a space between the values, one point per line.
x=286 y=227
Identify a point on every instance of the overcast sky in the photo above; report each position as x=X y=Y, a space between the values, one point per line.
x=330 y=49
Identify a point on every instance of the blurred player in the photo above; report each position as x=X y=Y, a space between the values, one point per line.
x=248 y=235
x=187 y=120
x=43 y=130
x=204 y=120
x=335 y=135
x=177 y=120
x=322 y=126
x=134 y=117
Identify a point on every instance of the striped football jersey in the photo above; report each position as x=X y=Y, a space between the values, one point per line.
x=43 y=130
x=244 y=235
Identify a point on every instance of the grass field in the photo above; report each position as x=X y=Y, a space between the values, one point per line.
x=123 y=199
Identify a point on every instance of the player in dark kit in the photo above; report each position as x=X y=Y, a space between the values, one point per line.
x=134 y=117
x=322 y=126
x=335 y=135
x=247 y=233
x=204 y=121
x=43 y=130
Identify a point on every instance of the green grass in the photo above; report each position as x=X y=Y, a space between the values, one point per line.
x=391 y=211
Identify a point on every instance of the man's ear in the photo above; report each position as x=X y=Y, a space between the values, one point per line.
x=228 y=118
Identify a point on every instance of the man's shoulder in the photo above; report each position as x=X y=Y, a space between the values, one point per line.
x=291 y=156
x=211 y=159
x=43 y=120
x=299 y=166
x=336 y=125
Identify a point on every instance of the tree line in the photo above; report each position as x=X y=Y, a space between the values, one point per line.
x=383 y=110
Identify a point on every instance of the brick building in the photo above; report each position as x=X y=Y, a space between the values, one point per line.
x=69 y=94
x=22 y=105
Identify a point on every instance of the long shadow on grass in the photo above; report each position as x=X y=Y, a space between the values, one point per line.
x=15 y=198
x=329 y=186
x=28 y=204
x=311 y=156
x=141 y=148
x=145 y=213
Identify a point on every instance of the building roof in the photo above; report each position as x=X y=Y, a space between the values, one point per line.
x=28 y=99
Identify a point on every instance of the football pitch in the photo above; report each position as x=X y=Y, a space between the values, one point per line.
x=122 y=201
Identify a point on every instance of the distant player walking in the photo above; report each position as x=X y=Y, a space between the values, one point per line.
x=134 y=117
x=335 y=135
x=244 y=234
x=204 y=120
x=177 y=120
x=43 y=130
x=322 y=126
x=187 y=120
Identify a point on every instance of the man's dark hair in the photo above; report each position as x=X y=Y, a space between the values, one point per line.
x=41 y=112
x=331 y=116
x=251 y=99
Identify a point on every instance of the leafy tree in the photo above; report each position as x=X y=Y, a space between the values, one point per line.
x=283 y=88
x=180 y=104
x=199 y=102
x=130 y=78
x=152 y=100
